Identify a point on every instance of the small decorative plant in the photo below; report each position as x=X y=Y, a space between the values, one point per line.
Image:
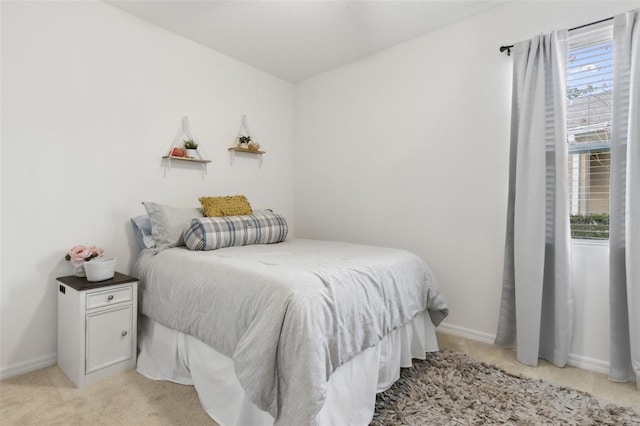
x=245 y=139
x=191 y=144
x=77 y=255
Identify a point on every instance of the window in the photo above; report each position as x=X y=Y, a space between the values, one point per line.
x=589 y=108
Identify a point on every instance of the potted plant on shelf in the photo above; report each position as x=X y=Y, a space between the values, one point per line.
x=244 y=142
x=191 y=146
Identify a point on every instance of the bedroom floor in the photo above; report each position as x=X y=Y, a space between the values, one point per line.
x=46 y=396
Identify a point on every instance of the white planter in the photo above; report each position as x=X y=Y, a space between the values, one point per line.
x=100 y=269
x=192 y=153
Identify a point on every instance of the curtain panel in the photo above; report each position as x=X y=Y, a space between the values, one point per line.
x=536 y=312
x=624 y=233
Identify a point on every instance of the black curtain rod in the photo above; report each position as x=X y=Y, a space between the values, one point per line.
x=591 y=23
x=508 y=47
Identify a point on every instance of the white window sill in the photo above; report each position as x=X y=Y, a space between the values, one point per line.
x=585 y=242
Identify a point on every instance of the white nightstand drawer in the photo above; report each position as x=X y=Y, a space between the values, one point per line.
x=109 y=297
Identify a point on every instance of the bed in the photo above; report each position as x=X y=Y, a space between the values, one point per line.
x=296 y=332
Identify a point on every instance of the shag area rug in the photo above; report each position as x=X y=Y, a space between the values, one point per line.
x=453 y=389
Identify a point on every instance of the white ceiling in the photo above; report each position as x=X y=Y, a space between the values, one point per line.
x=297 y=39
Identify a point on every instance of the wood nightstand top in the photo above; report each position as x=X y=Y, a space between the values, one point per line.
x=81 y=283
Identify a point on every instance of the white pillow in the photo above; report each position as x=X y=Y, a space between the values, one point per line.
x=168 y=223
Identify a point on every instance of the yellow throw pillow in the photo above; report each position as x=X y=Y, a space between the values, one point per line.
x=230 y=205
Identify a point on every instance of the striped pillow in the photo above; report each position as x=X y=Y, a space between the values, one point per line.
x=211 y=233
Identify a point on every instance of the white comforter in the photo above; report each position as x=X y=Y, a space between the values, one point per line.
x=288 y=314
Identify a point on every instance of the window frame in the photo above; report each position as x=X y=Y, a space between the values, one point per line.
x=593 y=36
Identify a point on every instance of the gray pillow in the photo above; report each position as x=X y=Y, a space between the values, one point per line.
x=168 y=223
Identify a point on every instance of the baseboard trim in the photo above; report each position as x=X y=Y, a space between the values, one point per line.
x=591 y=364
x=579 y=361
x=28 y=366
x=467 y=333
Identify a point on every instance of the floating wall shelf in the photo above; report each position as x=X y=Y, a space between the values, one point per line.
x=177 y=142
x=246 y=150
x=234 y=149
x=193 y=160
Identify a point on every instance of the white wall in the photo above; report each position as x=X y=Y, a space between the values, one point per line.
x=409 y=148
x=91 y=99
x=405 y=148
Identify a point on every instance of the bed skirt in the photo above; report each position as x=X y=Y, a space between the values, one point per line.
x=166 y=354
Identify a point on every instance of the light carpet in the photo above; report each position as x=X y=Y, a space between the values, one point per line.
x=451 y=388
x=47 y=396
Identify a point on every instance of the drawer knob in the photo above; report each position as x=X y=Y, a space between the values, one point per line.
x=110 y=297
x=124 y=333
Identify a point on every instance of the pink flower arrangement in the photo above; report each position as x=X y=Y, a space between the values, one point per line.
x=77 y=255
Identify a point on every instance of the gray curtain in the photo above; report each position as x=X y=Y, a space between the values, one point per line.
x=536 y=313
x=624 y=236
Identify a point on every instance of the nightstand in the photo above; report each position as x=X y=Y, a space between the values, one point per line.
x=97 y=334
